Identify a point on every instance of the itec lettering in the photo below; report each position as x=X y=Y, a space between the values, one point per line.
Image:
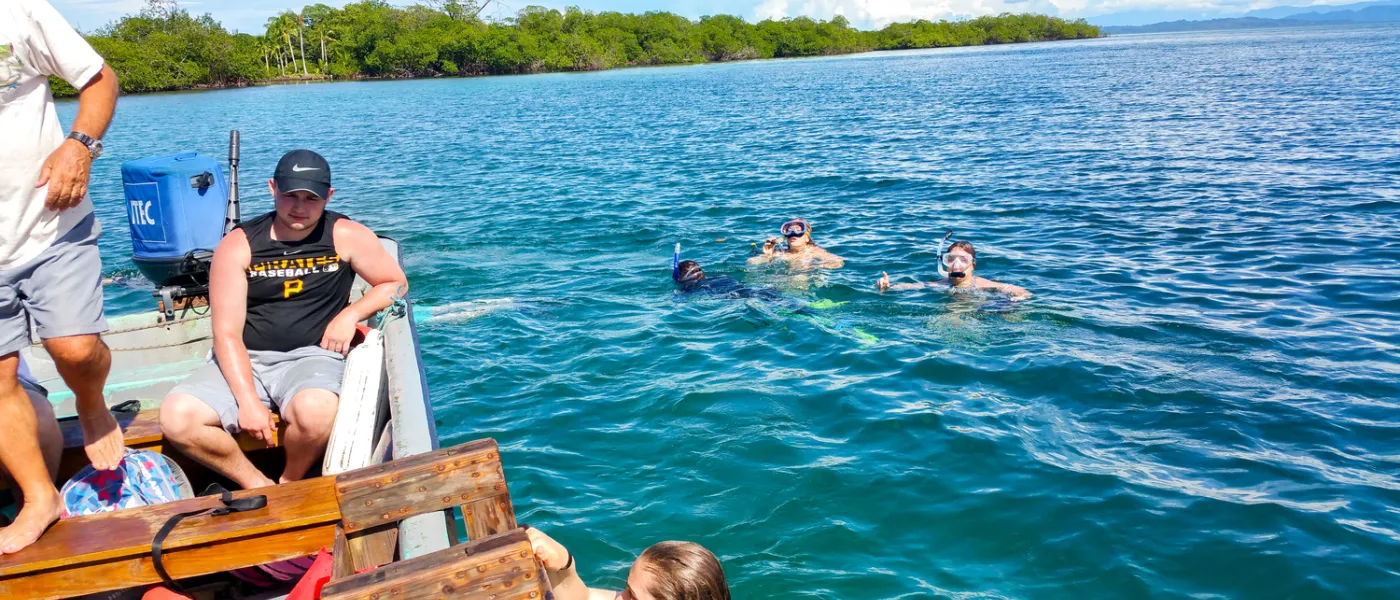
x=141 y=213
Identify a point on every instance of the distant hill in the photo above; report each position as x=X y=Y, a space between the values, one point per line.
x=1279 y=12
x=1370 y=14
x=1206 y=25
x=1384 y=11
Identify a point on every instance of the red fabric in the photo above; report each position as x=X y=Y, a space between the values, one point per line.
x=309 y=588
x=361 y=331
x=162 y=593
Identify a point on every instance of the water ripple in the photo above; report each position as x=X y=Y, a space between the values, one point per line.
x=1198 y=402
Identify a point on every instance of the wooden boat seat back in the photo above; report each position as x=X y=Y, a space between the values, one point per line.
x=469 y=476
x=497 y=567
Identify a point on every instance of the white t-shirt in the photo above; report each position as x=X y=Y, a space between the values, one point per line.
x=35 y=42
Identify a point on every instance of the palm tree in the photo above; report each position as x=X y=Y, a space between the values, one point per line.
x=302 y=40
x=326 y=36
x=281 y=26
x=277 y=33
x=291 y=51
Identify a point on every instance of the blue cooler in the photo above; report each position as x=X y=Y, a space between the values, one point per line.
x=175 y=205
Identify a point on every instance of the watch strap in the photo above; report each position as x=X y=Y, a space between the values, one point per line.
x=94 y=145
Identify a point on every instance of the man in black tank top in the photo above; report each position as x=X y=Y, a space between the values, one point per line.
x=279 y=290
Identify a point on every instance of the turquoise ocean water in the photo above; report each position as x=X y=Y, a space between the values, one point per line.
x=1200 y=401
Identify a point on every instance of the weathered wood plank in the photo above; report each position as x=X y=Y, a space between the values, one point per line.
x=488 y=517
x=127 y=533
x=341 y=564
x=499 y=567
x=420 y=484
x=373 y=547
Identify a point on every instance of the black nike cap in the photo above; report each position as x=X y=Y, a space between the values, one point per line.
x=303 y=170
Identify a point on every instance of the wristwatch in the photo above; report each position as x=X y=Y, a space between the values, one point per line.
x=94 y=146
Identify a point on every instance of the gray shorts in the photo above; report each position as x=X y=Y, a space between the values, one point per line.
x=277 y=376
x=61 y=289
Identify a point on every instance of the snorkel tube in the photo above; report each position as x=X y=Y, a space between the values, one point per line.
x=676 y=264
x=942 y=272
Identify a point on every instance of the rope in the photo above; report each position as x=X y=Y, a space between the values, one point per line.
x=397 y=308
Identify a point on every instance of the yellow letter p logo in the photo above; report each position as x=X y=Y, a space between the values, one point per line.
x=290 y=287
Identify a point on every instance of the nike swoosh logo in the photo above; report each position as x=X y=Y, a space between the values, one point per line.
x=299 y=168
x=291 y=252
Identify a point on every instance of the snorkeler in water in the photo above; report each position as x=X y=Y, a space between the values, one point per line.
x=801 y=251
x=956 y=265
x=691 y=279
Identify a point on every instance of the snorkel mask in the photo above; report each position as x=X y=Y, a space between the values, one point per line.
x=959 y=263
x=795 y=228
x=676 y=264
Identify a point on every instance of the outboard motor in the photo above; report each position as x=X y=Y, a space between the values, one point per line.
x=179 y=207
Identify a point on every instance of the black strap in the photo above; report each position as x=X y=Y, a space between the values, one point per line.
x=230 y=506
x=128 y=406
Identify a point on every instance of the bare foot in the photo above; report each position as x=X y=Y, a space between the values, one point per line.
x=102 y=438
x=33 y=520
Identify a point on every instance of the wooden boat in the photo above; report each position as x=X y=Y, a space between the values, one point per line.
x=150 y=354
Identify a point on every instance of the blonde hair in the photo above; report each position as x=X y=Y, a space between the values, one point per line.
x=684 y=571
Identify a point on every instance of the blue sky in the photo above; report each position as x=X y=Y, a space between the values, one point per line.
x=249 y=15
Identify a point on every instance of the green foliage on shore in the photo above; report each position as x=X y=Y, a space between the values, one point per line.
x=165 y=48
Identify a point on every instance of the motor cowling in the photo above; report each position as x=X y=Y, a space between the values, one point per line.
x=176 y=208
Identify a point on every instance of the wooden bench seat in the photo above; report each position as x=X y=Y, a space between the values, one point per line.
x=112 y=551
x=101 y=552
x=142 y=432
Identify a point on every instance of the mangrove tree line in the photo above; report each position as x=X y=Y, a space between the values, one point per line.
x=164 y=47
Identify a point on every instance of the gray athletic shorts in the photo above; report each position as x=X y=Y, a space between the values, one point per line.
x=61 y=289
x=277 y=376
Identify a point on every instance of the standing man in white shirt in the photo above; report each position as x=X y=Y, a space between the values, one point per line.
x=50 y=268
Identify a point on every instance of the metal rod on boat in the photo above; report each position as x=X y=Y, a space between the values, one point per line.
x=232 y=216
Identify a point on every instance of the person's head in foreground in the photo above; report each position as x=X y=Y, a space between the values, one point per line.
x=300 y=187
x=689 y=274
x=959 y=260
x=665 y=571
x=676 y=571
x=798 y=233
